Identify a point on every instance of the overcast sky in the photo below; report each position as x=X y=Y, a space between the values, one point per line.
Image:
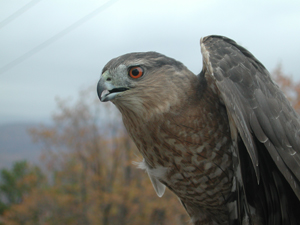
x=73 y=60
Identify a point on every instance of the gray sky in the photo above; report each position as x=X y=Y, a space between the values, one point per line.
x=269 y=29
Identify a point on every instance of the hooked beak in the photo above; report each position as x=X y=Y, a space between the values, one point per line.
x=107 y=91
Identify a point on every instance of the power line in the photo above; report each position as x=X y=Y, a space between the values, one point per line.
x=56 y=37
x=18 y=13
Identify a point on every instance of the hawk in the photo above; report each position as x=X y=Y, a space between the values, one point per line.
x=226 y=142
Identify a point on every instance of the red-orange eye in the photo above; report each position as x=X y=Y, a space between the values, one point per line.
x=136 y=72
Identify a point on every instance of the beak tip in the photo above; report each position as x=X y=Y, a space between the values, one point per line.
x=102 y=92
x=100 y=89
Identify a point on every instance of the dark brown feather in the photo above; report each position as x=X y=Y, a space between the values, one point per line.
x=268 y=125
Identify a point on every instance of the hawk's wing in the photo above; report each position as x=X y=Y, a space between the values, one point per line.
x=264 y=118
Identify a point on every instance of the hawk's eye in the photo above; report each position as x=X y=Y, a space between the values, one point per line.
x=136 y=72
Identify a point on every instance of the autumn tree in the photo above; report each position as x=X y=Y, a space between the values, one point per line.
x=17 y=182
x=288 y=85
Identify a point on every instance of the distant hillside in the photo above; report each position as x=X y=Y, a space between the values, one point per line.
x=16 y=144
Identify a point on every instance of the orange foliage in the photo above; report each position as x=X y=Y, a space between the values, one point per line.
x=288 y=86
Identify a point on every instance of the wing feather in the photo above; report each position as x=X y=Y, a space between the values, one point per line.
x=256 y=104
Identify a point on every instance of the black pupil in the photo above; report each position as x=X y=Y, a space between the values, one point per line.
x=135 y=72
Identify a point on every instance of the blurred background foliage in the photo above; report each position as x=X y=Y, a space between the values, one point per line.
x=86 y=173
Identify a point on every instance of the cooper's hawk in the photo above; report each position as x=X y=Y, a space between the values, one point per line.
x=226 y=142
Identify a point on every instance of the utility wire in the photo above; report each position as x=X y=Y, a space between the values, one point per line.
x=56 y=37
x=18 y=13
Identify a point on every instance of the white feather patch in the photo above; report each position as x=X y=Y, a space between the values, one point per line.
x=158 y=172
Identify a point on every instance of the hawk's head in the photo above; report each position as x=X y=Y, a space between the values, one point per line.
x=144 y=81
